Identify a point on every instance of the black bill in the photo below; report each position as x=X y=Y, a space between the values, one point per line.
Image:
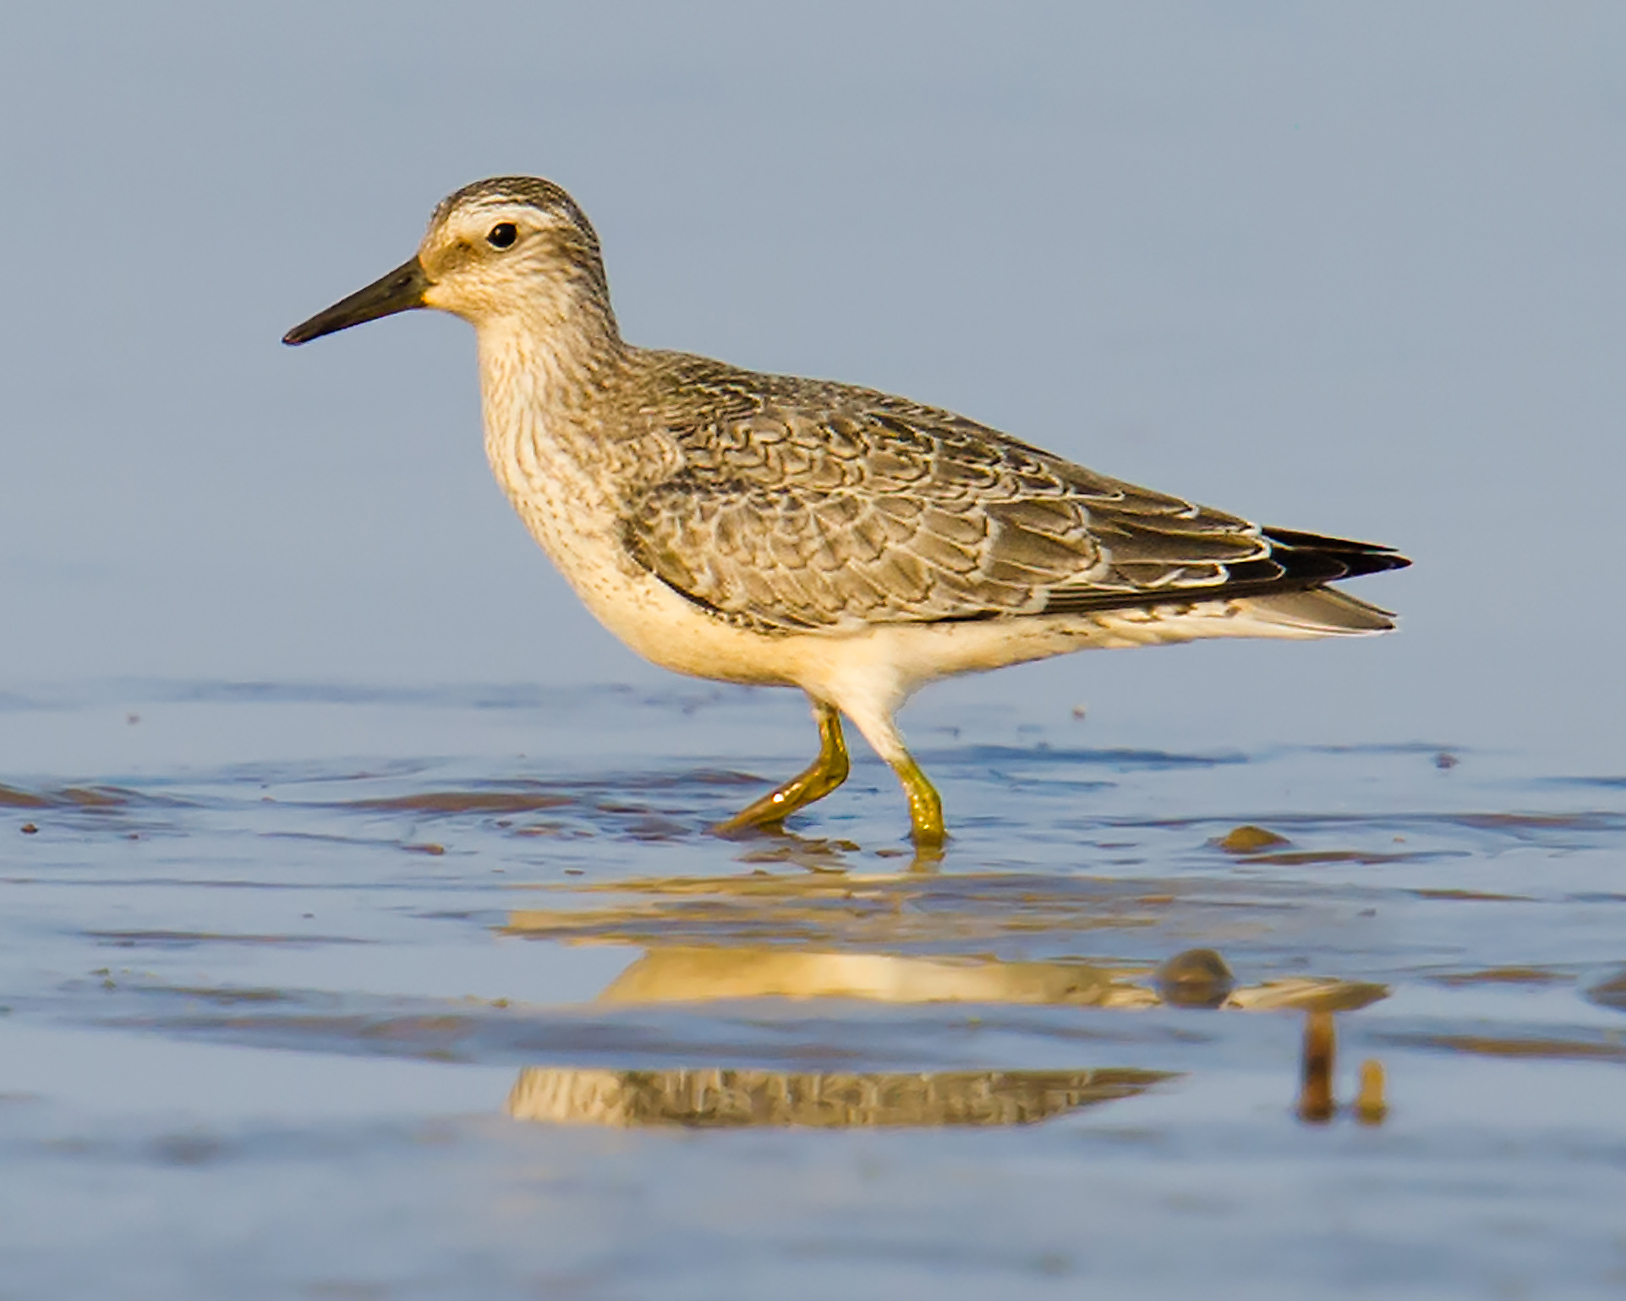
x=400 y=291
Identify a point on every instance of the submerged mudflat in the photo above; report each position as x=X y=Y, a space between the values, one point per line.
x=397 y=994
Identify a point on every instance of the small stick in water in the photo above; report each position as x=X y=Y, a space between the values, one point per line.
x=1370 y=1107
x=1316 y=1103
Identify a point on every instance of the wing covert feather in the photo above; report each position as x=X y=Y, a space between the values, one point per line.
x=822 y=507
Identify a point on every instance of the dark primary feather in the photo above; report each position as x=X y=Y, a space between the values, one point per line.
x=802 y=505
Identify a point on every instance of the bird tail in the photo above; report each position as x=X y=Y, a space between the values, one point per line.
x=1320 y=610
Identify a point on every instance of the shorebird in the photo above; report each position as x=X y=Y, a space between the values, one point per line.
x=779 y=531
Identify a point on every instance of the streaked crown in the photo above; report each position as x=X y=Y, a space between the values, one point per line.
x=512 y=245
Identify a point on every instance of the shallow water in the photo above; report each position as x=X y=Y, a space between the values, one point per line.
x=350 y=993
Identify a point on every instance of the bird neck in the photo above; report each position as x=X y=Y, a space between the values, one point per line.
x=547 y=380
x=553 y=360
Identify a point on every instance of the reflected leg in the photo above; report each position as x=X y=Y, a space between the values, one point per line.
x=821 y=777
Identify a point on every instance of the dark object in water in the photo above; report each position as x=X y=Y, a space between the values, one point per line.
x=1249 y=839
x=1195 y=978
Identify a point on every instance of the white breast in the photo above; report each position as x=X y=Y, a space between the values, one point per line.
x=550 y=468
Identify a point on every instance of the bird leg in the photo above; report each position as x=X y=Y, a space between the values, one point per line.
x=925 y=808
x=821 y=777
x=874 y=719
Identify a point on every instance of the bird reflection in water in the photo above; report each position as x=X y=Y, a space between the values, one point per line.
x=1197 y=978
x=718 y=1097
x=816 y=964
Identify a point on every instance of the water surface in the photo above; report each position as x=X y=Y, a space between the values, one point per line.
x=338 y=992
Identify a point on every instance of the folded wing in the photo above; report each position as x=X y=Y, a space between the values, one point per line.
x=826 y=507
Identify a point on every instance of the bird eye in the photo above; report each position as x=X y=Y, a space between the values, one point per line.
x=503 y=234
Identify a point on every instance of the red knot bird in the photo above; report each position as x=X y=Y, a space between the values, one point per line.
x=779 y=531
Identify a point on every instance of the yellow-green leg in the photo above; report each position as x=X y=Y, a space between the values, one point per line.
x=821 y=777
x=925 y=808
x=874 y=719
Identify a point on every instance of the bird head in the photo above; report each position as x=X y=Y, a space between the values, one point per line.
x=510 y=250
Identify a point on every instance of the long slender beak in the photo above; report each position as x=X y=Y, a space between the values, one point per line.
x=400 y=291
